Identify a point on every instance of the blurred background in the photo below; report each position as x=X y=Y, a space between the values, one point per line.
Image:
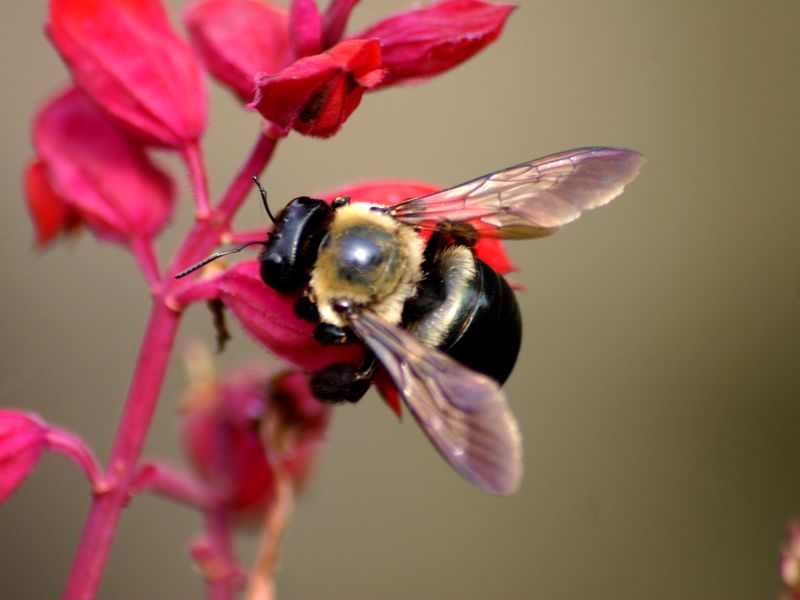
x=657 y=389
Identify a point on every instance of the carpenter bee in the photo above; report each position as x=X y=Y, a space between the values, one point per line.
x=443 y=324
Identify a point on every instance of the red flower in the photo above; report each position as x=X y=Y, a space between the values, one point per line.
x=51 y=214
x=89 y=169
x=125 y=56
x=239 y=39
x=424 y=42
x=317 y=96
x=269 y=317
x=22 y=440
x=248 y=427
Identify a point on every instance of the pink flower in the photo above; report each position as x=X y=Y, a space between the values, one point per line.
x=327 y=87
x=244 y=429
x=50 y=213
x=269 y=317
x=22 y=440
x=317 y=94
x=237 y=40
x=125 y=56
x=89 y=170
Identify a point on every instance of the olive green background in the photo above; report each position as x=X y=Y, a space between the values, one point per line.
x=657 y=388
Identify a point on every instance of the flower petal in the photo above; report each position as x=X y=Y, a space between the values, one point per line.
x=127 y=58
x=334 y=21
x=22 y=440
x=393 y=191
x=50 y=213
x=305 y=28
x=317 y=94
x=103 y=174
x=269 y=317
x=237 y=39
x=424 y=42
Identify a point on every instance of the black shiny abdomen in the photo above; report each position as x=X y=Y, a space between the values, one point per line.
x=489 y=341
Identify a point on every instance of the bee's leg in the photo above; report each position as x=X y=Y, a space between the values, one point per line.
x=333 y=335
x=305 y=309
x=344 y=383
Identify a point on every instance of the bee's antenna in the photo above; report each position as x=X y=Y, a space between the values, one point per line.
x=215 y=256
x=264 y=198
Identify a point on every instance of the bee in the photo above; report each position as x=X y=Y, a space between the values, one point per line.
x=443 y=324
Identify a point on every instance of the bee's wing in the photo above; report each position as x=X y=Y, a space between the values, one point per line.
x=462 y=412
x=532 y=199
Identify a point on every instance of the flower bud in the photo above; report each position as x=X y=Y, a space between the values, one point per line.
x=125 y=56
x=426 y=41
x=305 y=28
x=22 y=440
x=237 y=39
x=50 y=213
x=245 y=429
x=89 y=169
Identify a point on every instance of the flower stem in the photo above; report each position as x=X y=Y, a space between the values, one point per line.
x=104 y=514
x=70 y=445
x=151 y=366
x=261 y=582
x=226 y=582
x=206 y=234
x=193 y=157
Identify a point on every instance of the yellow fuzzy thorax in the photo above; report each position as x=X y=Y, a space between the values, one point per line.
x=385 y=296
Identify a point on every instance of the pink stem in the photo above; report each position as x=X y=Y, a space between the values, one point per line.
x=173 y=484
x=206 y=234
x=143 y=252
x=70 y=445
x=224 y=585
x=193 y=157
x=148 y=377
x=104 y=515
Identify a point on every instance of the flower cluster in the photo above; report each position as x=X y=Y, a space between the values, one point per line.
x=137 y=86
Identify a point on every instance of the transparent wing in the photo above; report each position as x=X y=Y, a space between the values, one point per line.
x=463 y=413
x=532 y=199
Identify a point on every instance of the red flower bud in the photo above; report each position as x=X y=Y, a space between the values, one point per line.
x=317 y=94
x=305 y=28
x=237 y=39
x=223 y=441
x=269 y=317
x=101 y=174
x=22 y=440
x=424 y=42
x=246 y=428
x=127 y=58
x=50 y=213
